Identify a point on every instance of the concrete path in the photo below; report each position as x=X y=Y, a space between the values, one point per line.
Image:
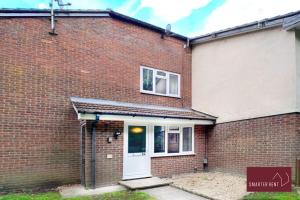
x=171 y=193
x=79 y=190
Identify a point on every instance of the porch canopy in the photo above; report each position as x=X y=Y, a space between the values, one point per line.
x=100 y=109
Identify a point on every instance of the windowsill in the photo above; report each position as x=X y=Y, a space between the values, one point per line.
x=164 y=95
x=172 y=155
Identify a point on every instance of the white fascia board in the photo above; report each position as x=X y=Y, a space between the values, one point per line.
x=88 y=116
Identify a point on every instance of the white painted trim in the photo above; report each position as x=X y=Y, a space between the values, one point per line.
x=150 y=143
x=167 y=77
x=181 y=152
x=147 y=120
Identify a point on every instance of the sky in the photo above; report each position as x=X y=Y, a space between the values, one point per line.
x=187 y=17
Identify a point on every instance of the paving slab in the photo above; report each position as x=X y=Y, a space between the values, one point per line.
x=298 y=189
x=171 y=193
x=79 y=190
x=145 y=183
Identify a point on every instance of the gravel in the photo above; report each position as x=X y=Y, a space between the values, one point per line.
x=215 y=185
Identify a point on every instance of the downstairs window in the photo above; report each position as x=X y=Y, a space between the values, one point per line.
x=173 y=140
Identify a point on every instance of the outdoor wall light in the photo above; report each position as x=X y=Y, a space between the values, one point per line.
x=117 y=133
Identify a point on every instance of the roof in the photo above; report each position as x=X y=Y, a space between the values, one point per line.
x=287 y=21
x=9 y=13
x=102 y=106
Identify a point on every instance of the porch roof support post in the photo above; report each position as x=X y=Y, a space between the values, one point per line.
x=94 y=126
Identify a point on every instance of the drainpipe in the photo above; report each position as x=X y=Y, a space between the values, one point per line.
x=205 y=160
x=94 y=126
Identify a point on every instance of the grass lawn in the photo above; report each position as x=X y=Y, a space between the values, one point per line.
x=123 y=195
x=273 y=196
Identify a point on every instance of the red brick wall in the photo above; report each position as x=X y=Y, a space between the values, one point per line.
x=268 y=141
x=90 y=57
x=172 y=165
x=109 y=170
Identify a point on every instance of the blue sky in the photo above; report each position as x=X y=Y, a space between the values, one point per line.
x=187 y=17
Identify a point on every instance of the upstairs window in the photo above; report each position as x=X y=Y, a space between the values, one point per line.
x=147 y=79
x=159 y=82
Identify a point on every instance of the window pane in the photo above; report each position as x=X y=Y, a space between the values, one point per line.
x=136 y=139
x=173 y=84
x=160 y=73
x=174 y=128
x=159 y=139
x=187 y=139
x=173 y=142
x=148 y=79
x=161 y=85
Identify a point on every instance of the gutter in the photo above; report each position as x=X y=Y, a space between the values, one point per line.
x=143 y=24
x=291 y=23
x=144 y=115
x=247 y=28
x=31 y=13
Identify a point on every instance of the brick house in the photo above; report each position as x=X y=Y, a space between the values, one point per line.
x=111 y=97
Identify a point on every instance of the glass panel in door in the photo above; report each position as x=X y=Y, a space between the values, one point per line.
x=136 y=139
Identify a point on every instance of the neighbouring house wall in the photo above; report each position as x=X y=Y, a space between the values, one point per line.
x=173 y=165
x=246 y=76
x=298 y=132
x=89 y=58
x=297 y=33
x=267 y=141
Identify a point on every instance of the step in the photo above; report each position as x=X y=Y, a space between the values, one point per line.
x=145 y=183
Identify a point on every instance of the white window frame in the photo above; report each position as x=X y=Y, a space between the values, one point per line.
x=181 y=152
x=153 y=82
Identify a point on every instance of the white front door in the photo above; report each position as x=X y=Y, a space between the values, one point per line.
x=136 y=162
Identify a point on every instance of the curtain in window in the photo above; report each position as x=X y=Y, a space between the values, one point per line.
x=173 y=142
x=173 y=84
x=159 y=139
x=187 y=139
x=147 y=79
x=161 y=85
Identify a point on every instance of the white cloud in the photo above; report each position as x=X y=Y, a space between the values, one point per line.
x=85 y=4
x=172 y=10
x=127 y=7
x=237 y=12
x=42 y=6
